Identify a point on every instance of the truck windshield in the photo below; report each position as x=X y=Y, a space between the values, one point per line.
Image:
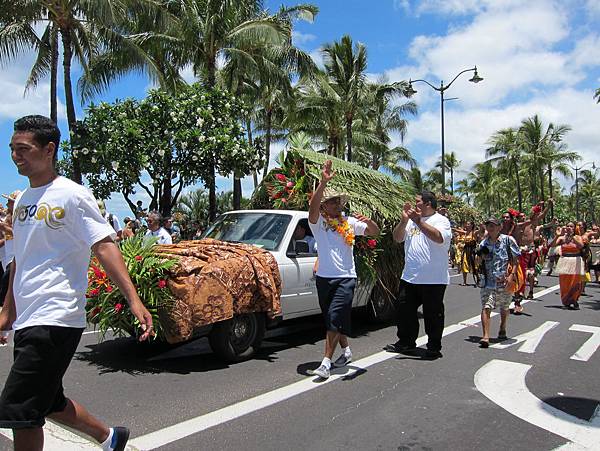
x=265 y=230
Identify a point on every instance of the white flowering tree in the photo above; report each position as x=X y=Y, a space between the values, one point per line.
x=162 y=144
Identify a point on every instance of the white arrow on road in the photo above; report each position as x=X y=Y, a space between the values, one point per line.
x=504 y=384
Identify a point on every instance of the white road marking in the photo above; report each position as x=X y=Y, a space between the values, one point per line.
x=58 y=438
x=531 y=339
x=589 y=347
x=198 y=424
x=504 y=384
x=65 y=440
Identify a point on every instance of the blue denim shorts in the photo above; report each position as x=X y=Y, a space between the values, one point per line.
x=335 y=299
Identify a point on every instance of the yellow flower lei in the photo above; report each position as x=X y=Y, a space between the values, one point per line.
x=341 y=226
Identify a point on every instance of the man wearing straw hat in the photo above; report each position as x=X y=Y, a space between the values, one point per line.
x=336 y=274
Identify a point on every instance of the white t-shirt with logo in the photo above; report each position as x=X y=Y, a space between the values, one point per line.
x=162 y=235
x=54 y=227
x=336 y=259
x=425 y=261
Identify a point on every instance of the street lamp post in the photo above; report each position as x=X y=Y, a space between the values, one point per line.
x=441 y=89
x=577 y=169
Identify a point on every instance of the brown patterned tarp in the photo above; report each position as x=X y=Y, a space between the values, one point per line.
x=215 y=280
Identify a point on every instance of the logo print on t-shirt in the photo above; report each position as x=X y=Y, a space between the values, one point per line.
x=414 y=231
x=52 y=216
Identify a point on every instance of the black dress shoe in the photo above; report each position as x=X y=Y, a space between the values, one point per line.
x=398 y=348
x=432 y=355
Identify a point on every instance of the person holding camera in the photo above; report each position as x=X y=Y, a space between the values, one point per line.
x=499 y=256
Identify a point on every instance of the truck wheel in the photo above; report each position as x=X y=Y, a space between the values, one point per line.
x=238 y=338
x=381 y=309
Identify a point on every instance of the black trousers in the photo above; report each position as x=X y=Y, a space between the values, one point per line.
x=432 y=299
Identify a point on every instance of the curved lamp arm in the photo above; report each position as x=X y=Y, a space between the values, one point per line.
x=459 y=74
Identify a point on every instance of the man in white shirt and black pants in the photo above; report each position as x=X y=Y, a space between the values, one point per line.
x=426 y=236
x=55 y=223
x=336 y=274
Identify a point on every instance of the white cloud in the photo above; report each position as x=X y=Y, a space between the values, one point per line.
x=15 y=102
x=300 y=39
x=467 y=131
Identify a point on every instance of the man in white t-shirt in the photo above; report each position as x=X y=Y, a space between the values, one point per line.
x=155 y=229
x=55 y=223
x=426 y=236
x=336 y=274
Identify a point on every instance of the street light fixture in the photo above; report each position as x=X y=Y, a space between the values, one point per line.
x=577 y=169
x=410 y=91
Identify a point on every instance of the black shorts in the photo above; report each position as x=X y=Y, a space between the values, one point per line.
x=335 y=299
x=33 y=388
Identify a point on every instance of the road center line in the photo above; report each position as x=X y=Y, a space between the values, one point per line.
x=198 y=424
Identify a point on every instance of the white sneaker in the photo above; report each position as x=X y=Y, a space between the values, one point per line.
x=342 y=361
x=322 y=372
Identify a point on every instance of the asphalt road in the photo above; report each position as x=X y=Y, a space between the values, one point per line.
x=537 y=391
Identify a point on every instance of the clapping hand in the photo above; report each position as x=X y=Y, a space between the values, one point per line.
x=414 y=214
x=327 y=174
x=361 y=218
x=407 y=207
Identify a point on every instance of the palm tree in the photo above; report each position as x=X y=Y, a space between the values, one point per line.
x=486 y=186
x=318 y=112
x=346 y=65
x=537 y=143
x=452 y=163
x=415 y=179
x=388 y=118
x=597 y=95
x=84 y=28
x=589 y=189
x=213 y=29
x=506 y=148
x=464 y=190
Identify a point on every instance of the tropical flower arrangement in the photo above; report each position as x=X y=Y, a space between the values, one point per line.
x=107 y=308
x=287 y=186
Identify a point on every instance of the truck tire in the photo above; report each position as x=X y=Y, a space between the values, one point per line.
x=238 y=338
x=382 y=309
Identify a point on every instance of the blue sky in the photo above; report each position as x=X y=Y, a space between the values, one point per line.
x=535 y=56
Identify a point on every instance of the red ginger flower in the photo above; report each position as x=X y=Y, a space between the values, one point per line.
x=162 y=283
x=118 y=307
x=93 y=292
x=139 y=258
x=281 y=177
x=109 y=289
x=372 y=243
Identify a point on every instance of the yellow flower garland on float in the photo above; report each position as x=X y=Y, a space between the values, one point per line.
x=342 y=227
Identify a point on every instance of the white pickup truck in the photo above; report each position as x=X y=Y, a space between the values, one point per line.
x=273 y=230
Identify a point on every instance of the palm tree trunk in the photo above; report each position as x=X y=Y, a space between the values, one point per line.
x=267 y=142
x=237 y=192
x=251 y=142
x=71 y=118
x=211 y=182
x=452 y=181
x=167 y=191
x=519 y=191
x=53 y=74
x=550 y=188
x=541 y=175
x=349 y=138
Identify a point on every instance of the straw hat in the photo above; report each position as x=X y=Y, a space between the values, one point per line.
x=12 y=196
x=331 y=193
